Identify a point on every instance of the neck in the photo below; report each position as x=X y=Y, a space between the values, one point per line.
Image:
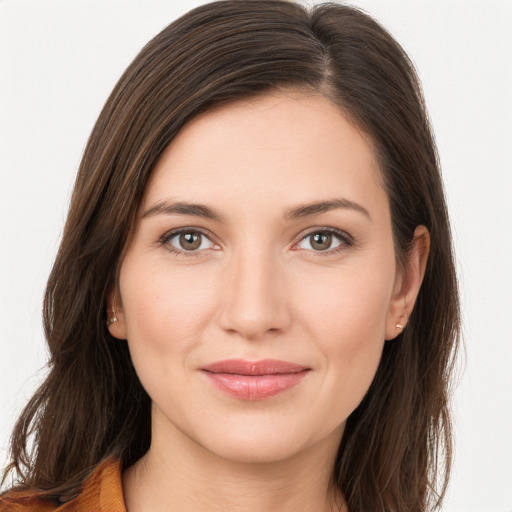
x=184 y=476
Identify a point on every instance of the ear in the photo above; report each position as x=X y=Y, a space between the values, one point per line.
x=408 y=283
x=115 y=316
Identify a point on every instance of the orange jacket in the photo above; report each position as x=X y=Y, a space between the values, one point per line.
x=101 y=492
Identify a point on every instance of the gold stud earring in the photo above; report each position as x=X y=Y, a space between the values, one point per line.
x=113 y=318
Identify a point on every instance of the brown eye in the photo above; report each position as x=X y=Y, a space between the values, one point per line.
x=326 y=240
x=321 y=241
x=190 y=241
x=187 y=242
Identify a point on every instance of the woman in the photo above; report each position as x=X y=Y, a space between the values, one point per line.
x=254 y=305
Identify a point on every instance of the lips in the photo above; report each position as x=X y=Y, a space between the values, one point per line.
x=254 y=380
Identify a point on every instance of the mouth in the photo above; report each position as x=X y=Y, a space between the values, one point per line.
x=254 y=380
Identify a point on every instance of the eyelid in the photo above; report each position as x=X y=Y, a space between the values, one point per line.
x=167 y=236
x=346 y=239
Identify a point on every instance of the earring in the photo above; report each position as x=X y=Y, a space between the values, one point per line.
x=399 y=325
x=113 y=318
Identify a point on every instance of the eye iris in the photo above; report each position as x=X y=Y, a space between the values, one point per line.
x=190 y=241
x=321 y=241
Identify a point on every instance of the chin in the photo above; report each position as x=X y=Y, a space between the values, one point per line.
x=268 y=444
x=261 y=452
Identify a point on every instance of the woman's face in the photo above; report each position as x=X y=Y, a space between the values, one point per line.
x=260 y=284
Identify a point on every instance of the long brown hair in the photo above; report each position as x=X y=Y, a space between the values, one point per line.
x=92 y=405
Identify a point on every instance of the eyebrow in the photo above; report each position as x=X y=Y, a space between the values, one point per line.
x=298 y=212
x=294 y=213
x=184 y=208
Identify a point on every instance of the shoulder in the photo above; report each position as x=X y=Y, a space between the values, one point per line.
x=101 y=491
x=22 y=502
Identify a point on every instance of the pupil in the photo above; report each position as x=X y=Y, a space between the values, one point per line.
x=190 y=241
x=321 y=241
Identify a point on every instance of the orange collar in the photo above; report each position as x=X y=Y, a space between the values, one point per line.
x=102 y=492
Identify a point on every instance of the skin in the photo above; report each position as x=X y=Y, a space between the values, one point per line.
x=257 y=287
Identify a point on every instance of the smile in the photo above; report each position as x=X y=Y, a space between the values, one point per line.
x=254 y=380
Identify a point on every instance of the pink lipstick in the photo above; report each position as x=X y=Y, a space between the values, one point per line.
x=254 y=380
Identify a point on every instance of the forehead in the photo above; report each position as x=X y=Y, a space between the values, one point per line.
x=267 y=151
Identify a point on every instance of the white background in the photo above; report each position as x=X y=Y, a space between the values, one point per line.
x=59 y=61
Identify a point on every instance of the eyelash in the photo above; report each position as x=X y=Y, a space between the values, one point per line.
x=164 y=240
x=345 y=239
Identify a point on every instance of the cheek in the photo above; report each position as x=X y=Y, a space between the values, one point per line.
x=348 y=318
x=165 y=309
x=351 y=304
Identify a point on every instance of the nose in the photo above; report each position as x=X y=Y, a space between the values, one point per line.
x=255 y=302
